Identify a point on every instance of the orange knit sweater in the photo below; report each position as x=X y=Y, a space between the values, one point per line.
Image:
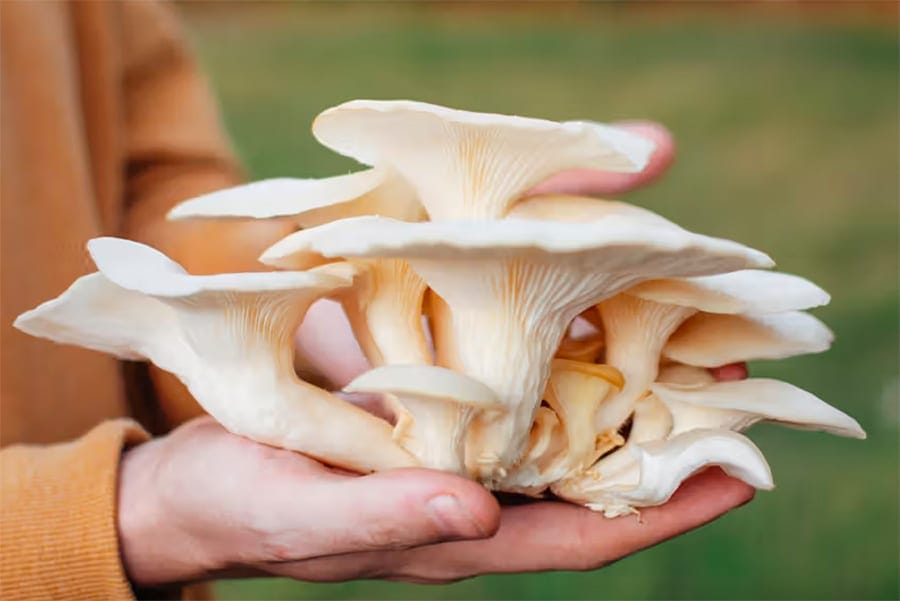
x=105 y=124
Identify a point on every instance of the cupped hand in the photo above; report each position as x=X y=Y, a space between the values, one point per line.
x=203 y=503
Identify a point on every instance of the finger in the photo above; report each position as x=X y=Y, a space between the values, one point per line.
x=730 y=372
x=560 y=536
x=383 y=511
x=589 y=182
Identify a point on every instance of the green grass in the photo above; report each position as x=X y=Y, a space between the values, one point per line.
x=787 y=131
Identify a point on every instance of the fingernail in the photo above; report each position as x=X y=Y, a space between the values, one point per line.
x=452 y=519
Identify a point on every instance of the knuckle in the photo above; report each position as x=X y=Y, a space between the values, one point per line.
x=383 y=536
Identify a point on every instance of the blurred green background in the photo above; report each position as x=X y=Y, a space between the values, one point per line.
x=787 y=125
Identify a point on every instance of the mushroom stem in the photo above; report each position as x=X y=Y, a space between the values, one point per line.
x=514 y=362
x=385 y=311
x=436 y=434
x=439 y=405
x=636 y=331
x=251 y=340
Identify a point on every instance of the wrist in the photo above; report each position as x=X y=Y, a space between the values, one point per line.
x=156 y=548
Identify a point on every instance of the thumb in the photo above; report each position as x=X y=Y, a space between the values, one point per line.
x=395 y=509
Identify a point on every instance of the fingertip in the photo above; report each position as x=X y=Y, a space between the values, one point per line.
x=730 y=373
x=664 y=153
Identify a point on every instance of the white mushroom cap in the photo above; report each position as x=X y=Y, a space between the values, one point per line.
x=738 y=405
x=465 y=164
x=709 y=340
x=662 y=466
x=440 y=403
x=747 y=290
x=228 y=337
x=655 y=461
x=310 y=201
x=492 y=273
x=635 y=243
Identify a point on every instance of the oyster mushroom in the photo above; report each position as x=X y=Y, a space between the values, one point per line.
x=439 y=404
x=660 y=467
x=639 y=322
x=472 y=165
x=738 y=405
x=509 y=289
x=310 y=202
x=652 y=465
x=711 y=340
x=228 y=337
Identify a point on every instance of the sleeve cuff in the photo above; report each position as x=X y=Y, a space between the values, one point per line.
x=58 y=537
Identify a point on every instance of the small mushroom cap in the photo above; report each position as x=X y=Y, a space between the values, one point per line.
x=648 y=474
x=310 y=201
x=720 y=405
x=666 y=464
x=630 y=241
x=743 y=291
x=711 y=340
x=426 y=382
x=280 y=197
x=140 y=268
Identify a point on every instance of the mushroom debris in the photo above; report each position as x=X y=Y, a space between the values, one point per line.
x=539 y=344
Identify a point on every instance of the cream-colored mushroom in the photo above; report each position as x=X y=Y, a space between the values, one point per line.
x=652 y=465
x=740 y=404
x=711 y=340
x=310 y=202
x=228 y=337
x=659 y=468
x=639 y=322
x=511 y=287
x=472 y=165
x=439 y=403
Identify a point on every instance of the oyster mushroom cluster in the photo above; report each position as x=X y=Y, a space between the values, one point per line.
x=539 y=344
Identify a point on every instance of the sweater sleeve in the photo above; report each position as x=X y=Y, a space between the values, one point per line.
x=58 y=537
x=177 y=149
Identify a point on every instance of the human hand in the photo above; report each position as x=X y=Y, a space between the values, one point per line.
x=203 y=503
